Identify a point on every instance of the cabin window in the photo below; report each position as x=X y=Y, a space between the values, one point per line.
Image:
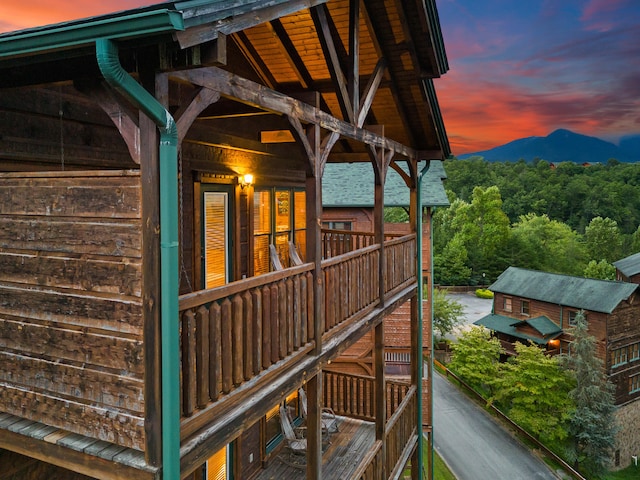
x=634 y=383
x=573 y=318
x=279 y=218
x=273 y=431
x=506 y=304
x=337 y=225
x=525 y=307
x=217 y=467
x=634 y=352
x=619 y=356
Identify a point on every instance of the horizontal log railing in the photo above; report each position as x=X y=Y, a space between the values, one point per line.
x=401 y=432
x=351 y=283
x=399 y=261
x=232 y=333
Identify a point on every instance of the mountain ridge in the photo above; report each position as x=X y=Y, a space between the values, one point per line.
x=563 y=145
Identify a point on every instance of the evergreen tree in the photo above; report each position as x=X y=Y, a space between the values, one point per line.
x=592 y=424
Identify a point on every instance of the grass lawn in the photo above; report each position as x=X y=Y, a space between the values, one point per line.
x=440 y=470
x=629 y=473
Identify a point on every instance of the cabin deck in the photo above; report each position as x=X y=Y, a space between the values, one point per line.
x=340 y=459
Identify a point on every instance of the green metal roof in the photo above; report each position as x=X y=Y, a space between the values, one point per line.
x=509 y=326
x=578 y=292
x=629 y=266
x=352 y=185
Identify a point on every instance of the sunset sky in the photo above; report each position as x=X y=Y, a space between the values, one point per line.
x=518 y=68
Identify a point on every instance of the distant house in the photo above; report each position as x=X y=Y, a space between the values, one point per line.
x=628 y=269
x=542 y=307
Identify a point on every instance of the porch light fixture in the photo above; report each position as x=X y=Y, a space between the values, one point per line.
x=245 y=180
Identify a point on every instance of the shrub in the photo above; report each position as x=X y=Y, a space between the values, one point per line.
x=484 y=293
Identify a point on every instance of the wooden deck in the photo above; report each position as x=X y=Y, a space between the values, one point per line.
x=339 y=461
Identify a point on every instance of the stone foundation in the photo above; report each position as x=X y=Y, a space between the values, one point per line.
x=628 y=438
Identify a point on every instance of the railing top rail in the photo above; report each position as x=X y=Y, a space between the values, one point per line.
x=400 y=410
x=367 y=460
x=352 y=375
x=347 y=232
x=349 y=255
x=202 y=297
x=401 y=239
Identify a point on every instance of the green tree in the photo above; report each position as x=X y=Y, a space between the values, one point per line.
x=603 y=239
x=534 y=389
x=540 y=243
x=447 y=313
x=476 y=357
x=602 y=270
x=449 y=267
x=592 y=425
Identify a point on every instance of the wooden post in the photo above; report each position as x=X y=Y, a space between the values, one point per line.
x=151 y=289
x=314 y=427
x=380 y=390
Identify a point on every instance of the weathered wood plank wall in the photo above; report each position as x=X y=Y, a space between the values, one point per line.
x=70 y=302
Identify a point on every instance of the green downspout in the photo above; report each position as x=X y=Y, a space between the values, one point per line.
x=421 y=175
x=119 y=79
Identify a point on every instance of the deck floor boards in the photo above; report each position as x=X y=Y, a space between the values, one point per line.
x=341 y=458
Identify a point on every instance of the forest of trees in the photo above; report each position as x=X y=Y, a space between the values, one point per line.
x=568 y=219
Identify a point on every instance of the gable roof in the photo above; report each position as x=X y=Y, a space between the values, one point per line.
x=578 y=292
x=629 y=266
x=509 y=326
x=277 y=43
x=352 y=185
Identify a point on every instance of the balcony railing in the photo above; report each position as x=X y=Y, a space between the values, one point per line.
x=234 y=333
x=352 y=395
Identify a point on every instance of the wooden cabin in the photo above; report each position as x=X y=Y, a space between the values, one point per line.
x=628 y=269
x=151 y=161
x=540 y=307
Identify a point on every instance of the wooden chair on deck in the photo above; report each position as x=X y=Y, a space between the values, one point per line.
x=293 y=255
x=296 y=442
x=329 y=420
x=275 y=258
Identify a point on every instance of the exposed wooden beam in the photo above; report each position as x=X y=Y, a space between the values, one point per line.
x=290 y=53
x=186 y=115
x=201 y=33
x=354 y=57
x=254 y=59
x=321 y=19
x=251 y=93
x=370 y=91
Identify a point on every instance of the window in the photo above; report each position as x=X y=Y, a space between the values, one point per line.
x=619 y=356
x=634 y=352
x=337 y=225
x=634 y=383
x=279 y=216
x=525 y=307
x=506 y=304
x=573 y=316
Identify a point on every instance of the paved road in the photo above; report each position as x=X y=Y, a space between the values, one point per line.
x=472 y=444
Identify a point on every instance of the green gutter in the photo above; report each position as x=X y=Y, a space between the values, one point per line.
x=120 y=80
x=420 y=360
x=84 y=32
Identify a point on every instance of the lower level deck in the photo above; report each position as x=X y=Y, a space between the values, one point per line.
x=340 y=459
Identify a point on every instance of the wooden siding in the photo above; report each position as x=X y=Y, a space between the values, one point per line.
x=70 y=310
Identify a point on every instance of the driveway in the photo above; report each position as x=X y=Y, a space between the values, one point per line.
x=473 y=445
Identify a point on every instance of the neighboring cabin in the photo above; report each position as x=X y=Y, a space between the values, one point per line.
x=541 y=307
x=150 y=161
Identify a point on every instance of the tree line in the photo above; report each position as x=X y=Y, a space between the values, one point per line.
x=569 y=219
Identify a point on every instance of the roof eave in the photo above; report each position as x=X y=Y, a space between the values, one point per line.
x=83 y=33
